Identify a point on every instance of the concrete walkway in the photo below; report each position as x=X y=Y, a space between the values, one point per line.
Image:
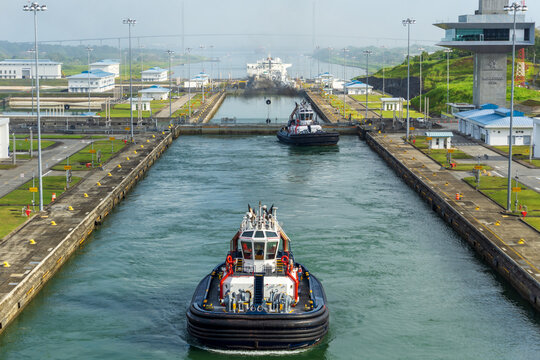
x=13 y=178
x=177 y=104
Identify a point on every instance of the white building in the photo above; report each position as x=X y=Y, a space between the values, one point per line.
x=141 y=102
x=107 y=65
x=536 y=138
x=154 y=74
x=197 y=81
x=392 y=104
x=356 y=87
x=491 y=124
x=155 y=93
x=439 y=139
x=25 y=69
x=4 y=138
x=97 y=80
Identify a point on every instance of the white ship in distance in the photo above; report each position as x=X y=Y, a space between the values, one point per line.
x=270 y=68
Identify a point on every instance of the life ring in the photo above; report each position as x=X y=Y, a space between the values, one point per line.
x=285 y=259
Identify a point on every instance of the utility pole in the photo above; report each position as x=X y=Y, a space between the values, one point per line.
x=88 y=49
x=408 y=22
x=367 y=53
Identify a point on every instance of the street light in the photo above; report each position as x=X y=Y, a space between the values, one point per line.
x=170 y=52
x=130 y=22
x=421 y=53
x=383 y=65
x=188 y=50
x=367 y=53
x=514 y=7
x=447 y=51
x=32 y=77
x=35 y=7
x=408 y=22
x=344 y=90
x=202 y=79
x=211 y=66
x=88 y=49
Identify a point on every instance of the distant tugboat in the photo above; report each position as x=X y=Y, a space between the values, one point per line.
x=260 y=298
x=302 y=129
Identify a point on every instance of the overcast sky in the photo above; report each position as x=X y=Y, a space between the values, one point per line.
x=283 y=22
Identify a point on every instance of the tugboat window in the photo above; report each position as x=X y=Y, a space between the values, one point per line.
x=247 y=234
x=247 y=249
x=259 y=234
x=271 y=234
x=259 y=250
x=271 y=248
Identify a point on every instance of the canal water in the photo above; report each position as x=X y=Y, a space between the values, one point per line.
x=255 y=109
x=400 y=283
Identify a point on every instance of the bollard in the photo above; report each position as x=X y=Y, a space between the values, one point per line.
x=53 y=197
x=32 y=242
x=85 y=195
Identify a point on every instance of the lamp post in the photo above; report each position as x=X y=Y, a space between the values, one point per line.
x=514 y=7
x=367 y=53
x=318 y=61
x=421 y=53
x=35 y=7
x=202 y=80
x=188 y=50
x=383 y=64
x=170 y=52
x=408 y=22
x=88 y=50
x=31 y=51
x=130 y=22
x=447 y=51
x=344 y=90
x=211 y=66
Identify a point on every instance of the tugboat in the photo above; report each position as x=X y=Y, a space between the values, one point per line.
x=302 y=129
x=259 y=298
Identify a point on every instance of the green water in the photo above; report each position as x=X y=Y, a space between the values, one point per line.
x=400 y=284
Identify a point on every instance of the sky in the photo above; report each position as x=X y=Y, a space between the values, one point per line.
x=231 y=24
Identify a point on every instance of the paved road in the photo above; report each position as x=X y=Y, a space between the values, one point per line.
x=12 y=179
x=177 y=104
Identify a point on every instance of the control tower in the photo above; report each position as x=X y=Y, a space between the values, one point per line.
x=488 y=34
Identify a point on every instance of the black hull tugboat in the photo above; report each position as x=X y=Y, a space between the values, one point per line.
x=303 y=130
x=259 y=298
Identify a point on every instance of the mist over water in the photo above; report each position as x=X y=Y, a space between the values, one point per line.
x=400 y=283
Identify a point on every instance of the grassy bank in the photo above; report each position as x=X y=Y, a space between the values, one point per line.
x=79 y=160
x=11 y=205
x=496 y=189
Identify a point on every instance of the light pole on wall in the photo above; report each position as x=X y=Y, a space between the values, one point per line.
x=130 y=22
x=35 y=7
x=408 y=22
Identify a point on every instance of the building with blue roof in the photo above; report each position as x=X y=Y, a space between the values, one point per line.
x=155 y=92
x=25 y=69
x=491 y=124
x=91 y=81
x=356 y=87
x=154 y=74
x=198 y=81
x=107 y=65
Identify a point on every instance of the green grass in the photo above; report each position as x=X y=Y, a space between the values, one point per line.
x=51 y=184
x=496 y=189
x=7 y=166
x=520 y=152
x=439 y=155
x=196 y=102
x=79 y=159
x=59 y=136
x=24 y=144
x=11 y=218
x=12 y=203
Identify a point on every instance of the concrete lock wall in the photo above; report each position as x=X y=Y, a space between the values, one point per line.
x=523 y=282
x=13 y=303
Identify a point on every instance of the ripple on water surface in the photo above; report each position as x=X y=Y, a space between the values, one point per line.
x=400 y=284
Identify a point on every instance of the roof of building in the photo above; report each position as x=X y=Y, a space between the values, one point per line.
x=439 y=134
x=154 y=89
x=393 y=99
x=493 y=116
x=106 y=62
x=94 y=74
x=154 y=70
x=29 y=61
x=143 y=99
